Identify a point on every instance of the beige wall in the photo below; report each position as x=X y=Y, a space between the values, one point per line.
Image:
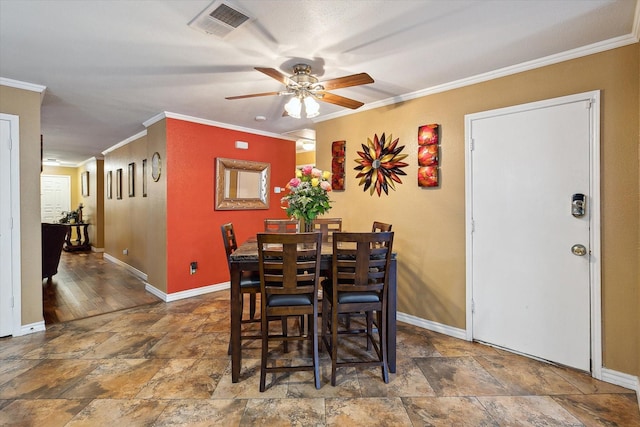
x=306 y=158
x=138 y=224
x=125 y=217
x=430 y=223
x=93 y=204
x=156 y=221
x=26 y=105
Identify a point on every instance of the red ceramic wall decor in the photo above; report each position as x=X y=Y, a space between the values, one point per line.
x=428 y=155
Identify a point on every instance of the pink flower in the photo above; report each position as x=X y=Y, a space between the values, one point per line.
x=294 y=182
x=325 y=185
x=316 y=172
x=306 y=170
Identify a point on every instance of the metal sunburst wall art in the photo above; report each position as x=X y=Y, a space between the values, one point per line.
x=379 y=164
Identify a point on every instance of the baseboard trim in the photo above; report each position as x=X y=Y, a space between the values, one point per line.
x=98 y=250
x=189 y=293
x=623 y=380
x=133 y=270
x=32 y=328
x=433 y=326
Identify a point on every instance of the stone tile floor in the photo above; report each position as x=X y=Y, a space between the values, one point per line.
x=166 y=364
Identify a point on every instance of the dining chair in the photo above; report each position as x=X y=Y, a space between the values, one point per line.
x=377 y=227
x=359 y=283
x=249 y=281
x=289 y=280
x=327 y=226
x=281 y=225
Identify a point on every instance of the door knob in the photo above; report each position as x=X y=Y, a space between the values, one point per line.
x=578 y=250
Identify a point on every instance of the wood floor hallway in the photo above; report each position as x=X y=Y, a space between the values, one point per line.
x=88 y=285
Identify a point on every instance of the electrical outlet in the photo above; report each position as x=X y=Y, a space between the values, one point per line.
x=125 y=252
x=193 y=267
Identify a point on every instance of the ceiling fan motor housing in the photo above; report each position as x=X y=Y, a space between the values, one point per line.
x=302 y=78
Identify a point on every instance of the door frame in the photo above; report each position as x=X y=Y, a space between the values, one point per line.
x=16 y=251
x=593 y=97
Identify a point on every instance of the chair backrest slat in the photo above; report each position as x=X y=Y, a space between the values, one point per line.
x=327 y=226
x=364 y=268
x=229 y=240
x=281 y=225
x=380 y=227
x=289 y=262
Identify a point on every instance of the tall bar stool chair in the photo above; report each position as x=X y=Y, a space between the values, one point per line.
x=327 y=226
x=249 y=281
x=281 y=225
x=359 y=283
x=377 y=227
x=289 y=280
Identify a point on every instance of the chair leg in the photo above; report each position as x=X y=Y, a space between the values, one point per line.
x=382 y=329
x=369 y=319
x=313 y=320
x=264 y=332
x=241 y=309
x=252 y=306
x=334 y=344
x=285 y=333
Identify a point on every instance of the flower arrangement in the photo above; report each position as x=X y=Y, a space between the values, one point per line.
x=308 y=195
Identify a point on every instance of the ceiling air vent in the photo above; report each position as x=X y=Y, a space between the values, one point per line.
x=220 y=18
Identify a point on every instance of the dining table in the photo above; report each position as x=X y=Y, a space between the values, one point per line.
x=245 y=258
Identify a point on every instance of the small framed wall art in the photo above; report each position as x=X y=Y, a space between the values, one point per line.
x=337 y=165
x=110 y=185
x=132 y=179
x=119 y=183
x=85 y=183
x=428 y=155
x=144 y=177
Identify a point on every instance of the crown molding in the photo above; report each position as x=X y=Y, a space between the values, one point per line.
x=24 y=85
x=125 y=142
x=502 y=72
x=183 y=117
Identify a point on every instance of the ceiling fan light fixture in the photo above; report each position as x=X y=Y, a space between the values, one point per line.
x=311 y=107
x=293 y=107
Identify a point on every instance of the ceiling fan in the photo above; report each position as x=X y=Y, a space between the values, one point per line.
x=306 y=88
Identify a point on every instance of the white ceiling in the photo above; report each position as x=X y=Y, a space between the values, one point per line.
x=108 y=66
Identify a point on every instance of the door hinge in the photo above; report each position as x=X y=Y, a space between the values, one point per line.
x=472 y=144
x=473 y=306
x=473 y=226
x=587 y=104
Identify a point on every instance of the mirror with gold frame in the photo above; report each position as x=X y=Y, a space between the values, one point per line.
x=242 y=184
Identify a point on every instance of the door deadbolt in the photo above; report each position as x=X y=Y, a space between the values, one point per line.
x=578 y=205
x=578 y=250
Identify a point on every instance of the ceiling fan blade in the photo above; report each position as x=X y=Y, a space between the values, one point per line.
x=253 y=95
x=339 y=100
x=275 y=74
x=347 y=81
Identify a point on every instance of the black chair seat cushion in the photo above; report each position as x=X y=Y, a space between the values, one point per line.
x=350 y=297
x=249 y=280
x=284 y=300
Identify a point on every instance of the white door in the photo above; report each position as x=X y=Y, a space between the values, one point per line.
x=530 y=291
x=55 y=195
x=9 y=244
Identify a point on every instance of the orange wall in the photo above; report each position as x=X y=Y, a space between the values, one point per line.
x=193 y=226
